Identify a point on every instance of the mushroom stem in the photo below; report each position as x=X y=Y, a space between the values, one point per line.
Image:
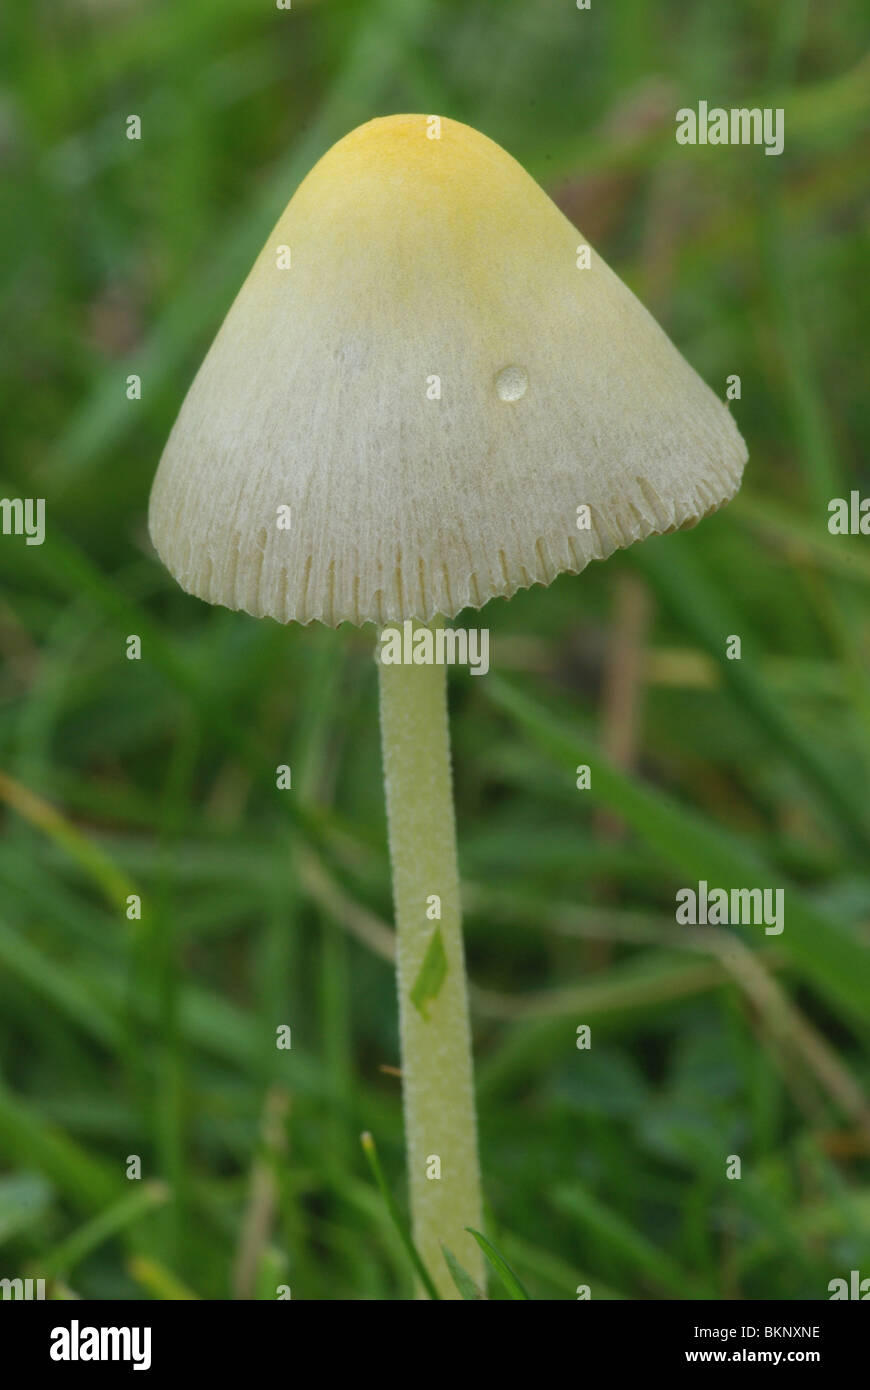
x=437 y=1081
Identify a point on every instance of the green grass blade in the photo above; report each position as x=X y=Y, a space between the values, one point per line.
x=682 y=586
x=461 y=1278
x=625 y=1241
x=500 y=1267
x=828 y=956
x=63 y=1259
x=401 y=1226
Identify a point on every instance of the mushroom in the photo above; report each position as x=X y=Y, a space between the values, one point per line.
x=428 y=392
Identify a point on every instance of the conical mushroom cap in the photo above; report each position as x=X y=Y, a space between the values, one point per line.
x=433 y=387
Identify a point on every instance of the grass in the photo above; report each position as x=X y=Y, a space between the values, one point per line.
x=156 y=1036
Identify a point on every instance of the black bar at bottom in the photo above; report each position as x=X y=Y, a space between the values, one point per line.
x=234 y=1339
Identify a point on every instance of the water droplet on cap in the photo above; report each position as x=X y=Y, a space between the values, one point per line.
x=511 y=383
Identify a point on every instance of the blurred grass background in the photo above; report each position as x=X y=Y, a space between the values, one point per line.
x=156 y=777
